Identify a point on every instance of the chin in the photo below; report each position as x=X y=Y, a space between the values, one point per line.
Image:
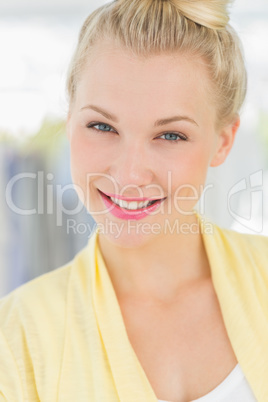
x=128 y=234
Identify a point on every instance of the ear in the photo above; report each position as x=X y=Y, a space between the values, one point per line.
x=225 y=142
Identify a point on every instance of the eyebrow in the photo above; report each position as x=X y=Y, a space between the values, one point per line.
x=161 y=122
x=106 y=114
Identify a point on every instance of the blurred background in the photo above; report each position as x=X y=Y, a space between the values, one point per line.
x=42 y=223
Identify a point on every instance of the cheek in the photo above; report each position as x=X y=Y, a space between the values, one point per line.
x=86 y=156
x=190 y=167
x=87 y=161
x=188 y=177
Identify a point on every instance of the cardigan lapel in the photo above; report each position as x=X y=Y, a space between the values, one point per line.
x=129 y=377
x=234 y=269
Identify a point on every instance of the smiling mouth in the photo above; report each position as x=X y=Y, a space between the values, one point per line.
x=132 y=205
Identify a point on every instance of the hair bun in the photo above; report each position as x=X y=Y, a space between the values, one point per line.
x=212 y=14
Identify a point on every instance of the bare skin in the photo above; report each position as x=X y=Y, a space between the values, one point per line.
x=183 y=347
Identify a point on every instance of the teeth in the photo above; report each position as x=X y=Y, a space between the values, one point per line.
x=122 y=204
x=130 y=205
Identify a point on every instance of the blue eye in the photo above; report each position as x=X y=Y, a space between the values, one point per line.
x=100 y=127
x=173 y=137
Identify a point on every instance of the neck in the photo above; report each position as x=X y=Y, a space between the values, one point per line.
x=157 y=270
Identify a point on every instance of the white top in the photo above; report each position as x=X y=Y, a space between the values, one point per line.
x=235 y=388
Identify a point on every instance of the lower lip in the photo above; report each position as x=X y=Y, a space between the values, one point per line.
x=128 y=214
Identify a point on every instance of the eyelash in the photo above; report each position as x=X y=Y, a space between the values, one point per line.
x=180 y=137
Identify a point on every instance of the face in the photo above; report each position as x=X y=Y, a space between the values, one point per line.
x=142 y=135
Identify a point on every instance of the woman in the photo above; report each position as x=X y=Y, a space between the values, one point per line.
x=159 y=305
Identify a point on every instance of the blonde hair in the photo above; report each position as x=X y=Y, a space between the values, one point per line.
x=147 y=27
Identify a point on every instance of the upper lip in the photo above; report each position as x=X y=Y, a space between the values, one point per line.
x=129 y=199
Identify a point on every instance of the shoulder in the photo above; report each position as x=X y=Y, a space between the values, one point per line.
x=50 y=290
x=46 y=296
x=35 y=321
x=237 y=252
x=32 y=325
x=36 y=298
x=249 y=243
x=228 y=238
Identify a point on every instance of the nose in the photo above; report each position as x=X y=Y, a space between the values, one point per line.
x=132 y=165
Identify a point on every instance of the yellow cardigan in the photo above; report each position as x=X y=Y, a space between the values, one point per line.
x=62 y=335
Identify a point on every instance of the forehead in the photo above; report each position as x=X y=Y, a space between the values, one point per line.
x=113 y=74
